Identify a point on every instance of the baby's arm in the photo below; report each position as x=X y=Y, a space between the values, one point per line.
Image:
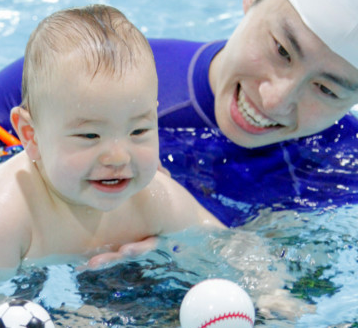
x=173 y=208
x=166 y=207
x=169 y=207
x=12 y=238
x=185 y=209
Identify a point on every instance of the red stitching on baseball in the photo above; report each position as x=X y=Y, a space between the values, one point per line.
x=237 y=315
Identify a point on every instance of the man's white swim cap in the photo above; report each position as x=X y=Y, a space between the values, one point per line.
x=335 y=22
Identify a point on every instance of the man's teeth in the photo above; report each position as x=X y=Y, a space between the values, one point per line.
x=110 y=182
x=251 y=115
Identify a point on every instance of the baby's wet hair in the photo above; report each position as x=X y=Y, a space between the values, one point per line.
x=99 y=37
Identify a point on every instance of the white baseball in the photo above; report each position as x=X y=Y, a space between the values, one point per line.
x=217 y=303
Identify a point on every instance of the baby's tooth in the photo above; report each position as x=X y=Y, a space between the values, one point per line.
x=109 y=182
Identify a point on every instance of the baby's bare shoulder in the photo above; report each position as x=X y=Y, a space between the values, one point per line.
x=15 y=220
x=15 y=229
x=8 y=184
x=12 y=182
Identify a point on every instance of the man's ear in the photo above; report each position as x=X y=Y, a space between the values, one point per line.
x=246 y=4
x=22 y=122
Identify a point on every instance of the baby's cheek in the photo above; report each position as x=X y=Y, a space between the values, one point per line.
x=66 y=171
x=149 y=162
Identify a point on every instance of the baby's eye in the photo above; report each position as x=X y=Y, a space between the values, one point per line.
x=139 y=132
x=326 y=91
x=88 y=135
x=283 y=52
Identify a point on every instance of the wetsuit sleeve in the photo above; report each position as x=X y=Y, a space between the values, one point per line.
x=173 y=58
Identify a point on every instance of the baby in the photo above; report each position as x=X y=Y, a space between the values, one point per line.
x=88 y=177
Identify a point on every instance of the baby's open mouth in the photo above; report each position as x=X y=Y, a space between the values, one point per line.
x=252 y=115
x=110 y=185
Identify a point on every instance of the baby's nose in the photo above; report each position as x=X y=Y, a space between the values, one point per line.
x=116 y=155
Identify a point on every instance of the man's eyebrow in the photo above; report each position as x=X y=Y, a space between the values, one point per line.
x=290 y=35
x=343 y=82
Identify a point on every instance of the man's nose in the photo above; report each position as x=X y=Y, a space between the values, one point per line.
x=279 y=95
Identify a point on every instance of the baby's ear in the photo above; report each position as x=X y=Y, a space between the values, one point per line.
x=22 y=122
x=246 y=4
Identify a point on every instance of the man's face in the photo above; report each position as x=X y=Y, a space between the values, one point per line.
x=276 y=80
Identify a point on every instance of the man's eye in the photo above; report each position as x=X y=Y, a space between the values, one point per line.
x=326 y=91
x=283 y=52
x=138 y=132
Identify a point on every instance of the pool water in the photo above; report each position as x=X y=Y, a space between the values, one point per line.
x=156 y=19
x=320 y=255
x=304 y=234
x=311 y=252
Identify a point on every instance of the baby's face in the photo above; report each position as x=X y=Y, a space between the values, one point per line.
x=98 y=138
x=276 y=80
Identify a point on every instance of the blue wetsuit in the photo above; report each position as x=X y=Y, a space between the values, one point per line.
x=310 y=173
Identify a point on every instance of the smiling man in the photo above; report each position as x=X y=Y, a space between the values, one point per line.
x=289 y=70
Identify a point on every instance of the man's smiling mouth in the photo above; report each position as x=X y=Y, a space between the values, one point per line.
x=252 y=115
